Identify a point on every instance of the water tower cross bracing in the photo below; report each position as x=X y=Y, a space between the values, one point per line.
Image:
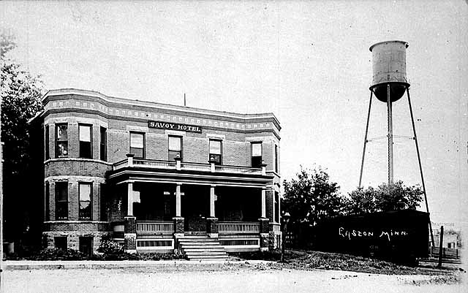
x=389 y=84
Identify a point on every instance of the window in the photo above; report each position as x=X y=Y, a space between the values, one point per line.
x=256 y=154
x=137 y=144
x=215 y=151
x=277 y=207
x=61 y=141
x=46 y=140
x=175 y=147
x=85 y=201
x=85 y=141
x=60 y=242
x=46 y=199
x=86 y=245
x=103 y=144
x=276 y=159
x=103 y=202
x=61 y=200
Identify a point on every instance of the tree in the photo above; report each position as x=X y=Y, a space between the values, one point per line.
x=311 y=197
x=20 y=95
x=384 y=198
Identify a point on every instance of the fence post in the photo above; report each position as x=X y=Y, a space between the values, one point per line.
x=441 y=246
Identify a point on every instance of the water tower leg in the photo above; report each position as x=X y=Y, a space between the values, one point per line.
x=390 y=138
x=419 y=161
x=365 y=140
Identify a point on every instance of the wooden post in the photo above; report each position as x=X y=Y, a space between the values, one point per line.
x=212 y=201
x=130 y=198
x=441 y=246
x=1 y=202
x=178 y=201
x=263 y=201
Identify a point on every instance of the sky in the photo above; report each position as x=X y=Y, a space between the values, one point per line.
x=308 y=62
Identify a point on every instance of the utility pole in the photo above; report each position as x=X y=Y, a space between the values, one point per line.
x=1 y=201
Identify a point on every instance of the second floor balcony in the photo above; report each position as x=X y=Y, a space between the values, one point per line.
x=178 y=165
x=160 y=171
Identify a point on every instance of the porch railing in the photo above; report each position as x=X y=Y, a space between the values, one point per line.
x=238 y=227
x=151 y=228
x=236 y=169
x=160 y=164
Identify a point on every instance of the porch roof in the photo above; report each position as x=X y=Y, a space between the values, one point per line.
x=188 y=173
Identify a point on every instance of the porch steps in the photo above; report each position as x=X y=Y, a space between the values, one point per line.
x=202 y=248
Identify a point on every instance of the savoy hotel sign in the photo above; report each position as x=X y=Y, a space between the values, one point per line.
x=174 y=126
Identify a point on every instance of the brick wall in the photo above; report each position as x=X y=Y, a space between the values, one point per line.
x=73 y=238
x=73 y=196
x=82 y=167
x=236 y=131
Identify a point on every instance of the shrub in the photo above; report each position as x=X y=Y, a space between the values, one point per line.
x=59 y=254
x=108 y=247
x=274 y=255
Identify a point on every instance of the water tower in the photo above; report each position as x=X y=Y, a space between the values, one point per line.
x=389 y=84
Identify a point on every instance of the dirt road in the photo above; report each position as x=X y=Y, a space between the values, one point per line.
x=144 y=280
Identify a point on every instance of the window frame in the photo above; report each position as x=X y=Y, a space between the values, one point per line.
x=59 y=245
x=59 y=201
x=47 y=201
x=46 y=142
x=170 y=152
x=217 y=159
x=276 y=159
x=80 y=210
x=143 y=149
x=103 y=144
x=256 y=161
x=103 y=202
x=59 y=142
x=89 y=143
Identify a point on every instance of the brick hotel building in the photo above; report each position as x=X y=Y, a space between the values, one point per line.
x=154 y=176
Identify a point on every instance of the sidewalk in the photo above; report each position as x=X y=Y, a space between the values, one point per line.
x=165 y=265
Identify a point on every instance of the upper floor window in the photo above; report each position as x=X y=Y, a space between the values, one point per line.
x=61 y=141
x=175 y=147
x=46 y=140
x=85 y=201
x=256 y=150
x=103 y=144
x=276 y=159
x=85 y=141
x=61 y=200
x=137 y=144
x=216 y=151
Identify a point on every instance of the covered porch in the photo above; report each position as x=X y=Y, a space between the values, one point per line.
x=157 y=209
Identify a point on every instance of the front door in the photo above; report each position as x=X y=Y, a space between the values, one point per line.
x=196 y=224
x=195 y=208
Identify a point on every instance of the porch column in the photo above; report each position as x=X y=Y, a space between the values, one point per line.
x=212 y=221
x=130 y=222
x=263 y=223
x=178 y=201
x=130 y=199
x=179 y=223
x=263 y=202
x=212 y=201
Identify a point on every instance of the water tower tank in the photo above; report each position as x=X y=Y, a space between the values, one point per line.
x=389 y=67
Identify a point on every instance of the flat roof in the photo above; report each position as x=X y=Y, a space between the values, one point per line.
x=155 y=105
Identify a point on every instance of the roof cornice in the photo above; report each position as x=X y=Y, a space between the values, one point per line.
x=156 y=105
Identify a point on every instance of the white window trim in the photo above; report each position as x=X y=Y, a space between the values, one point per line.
x=216 y=136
